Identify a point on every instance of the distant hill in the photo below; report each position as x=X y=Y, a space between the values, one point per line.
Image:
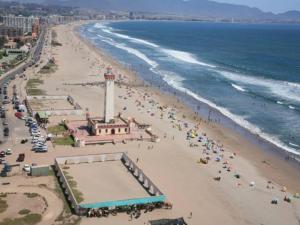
x=199 y=8
x=290 y=15
x=203 y=8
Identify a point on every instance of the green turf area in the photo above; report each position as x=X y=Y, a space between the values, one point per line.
x=58 y=129
x=68 y=140
x=31 y=87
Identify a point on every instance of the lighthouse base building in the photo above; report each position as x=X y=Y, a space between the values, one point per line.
x=119 y=126
x=109 y=124
x=109 y=128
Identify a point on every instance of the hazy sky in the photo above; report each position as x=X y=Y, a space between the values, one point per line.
x=268 y=5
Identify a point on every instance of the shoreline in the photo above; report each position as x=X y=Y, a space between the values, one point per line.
x=229 y=120
x=263 y=148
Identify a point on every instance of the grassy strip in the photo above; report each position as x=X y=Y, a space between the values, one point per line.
x=3 y=205
x=73 y=185
x=30 y=219
x=33 y=83
x=31 y=87
x=31 y=195
x=50 y=67
x=36 y=92
x=58 y=129
x=66 y=217
x=24 y=211
x=68 y=140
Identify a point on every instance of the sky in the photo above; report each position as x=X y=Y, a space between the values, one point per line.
x=276 y=6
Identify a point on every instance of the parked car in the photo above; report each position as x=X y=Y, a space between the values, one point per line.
x=6 y=131
x=4 y=123
x=27 y=168
x=8 y=151
x=23 y=141
x=41 y=147
x=21 y=157
x=2 y=154
x=42 y=150
x=3 y=161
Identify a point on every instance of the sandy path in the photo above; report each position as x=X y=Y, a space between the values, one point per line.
x=21 y=185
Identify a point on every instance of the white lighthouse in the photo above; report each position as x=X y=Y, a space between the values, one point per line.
x=109 y=95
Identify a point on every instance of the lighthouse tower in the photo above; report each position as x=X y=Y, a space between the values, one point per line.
x=109 y=95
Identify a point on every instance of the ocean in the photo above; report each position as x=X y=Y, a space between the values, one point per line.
x=248 y=73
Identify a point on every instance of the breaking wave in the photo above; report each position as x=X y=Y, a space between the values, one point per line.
x=185 y=57
x=136 y=40
x=175 y=81
x=237 y=87
x=283 y=89
x=133 y=51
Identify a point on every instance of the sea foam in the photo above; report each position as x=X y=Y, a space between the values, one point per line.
x=133 y=51
x=136 y=40
x=175 y=81
x=239 y=88
x=286 y=90
x=185 y=57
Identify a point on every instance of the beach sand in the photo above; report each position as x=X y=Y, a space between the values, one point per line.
x=172 y=163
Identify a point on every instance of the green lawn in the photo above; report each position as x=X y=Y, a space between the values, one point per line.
x=58 y=129
x=68 y=140
x=31 y=87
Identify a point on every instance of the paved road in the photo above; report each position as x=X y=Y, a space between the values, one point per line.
x=17 y=128
x=34 y=58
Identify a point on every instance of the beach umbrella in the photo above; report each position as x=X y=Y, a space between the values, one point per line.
x=284 y=189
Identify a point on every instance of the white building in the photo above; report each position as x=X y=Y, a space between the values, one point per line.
x=109 y=95
x=22 y=22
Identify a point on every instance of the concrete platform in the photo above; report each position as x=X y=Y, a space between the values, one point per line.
x=105 y=181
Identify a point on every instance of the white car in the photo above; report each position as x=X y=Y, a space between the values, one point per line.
x=8 y=151
x=26 y=168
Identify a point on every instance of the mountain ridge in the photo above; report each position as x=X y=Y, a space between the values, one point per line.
x=194 y=8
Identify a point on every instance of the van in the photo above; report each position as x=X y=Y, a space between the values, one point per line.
x=21 y=157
